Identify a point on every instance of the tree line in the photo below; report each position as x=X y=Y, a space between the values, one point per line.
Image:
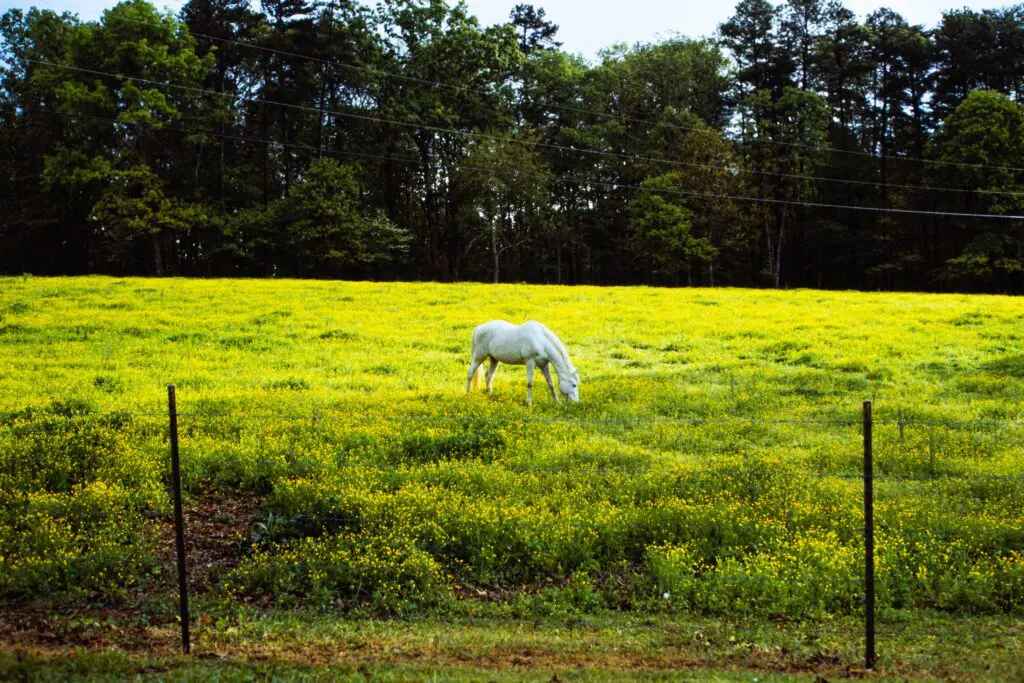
x=801 y=146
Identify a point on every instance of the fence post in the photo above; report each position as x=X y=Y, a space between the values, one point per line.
x=869 y=545
x=179 y=522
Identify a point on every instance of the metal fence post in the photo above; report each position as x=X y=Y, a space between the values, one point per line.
x=179 y=522
x=869 y=544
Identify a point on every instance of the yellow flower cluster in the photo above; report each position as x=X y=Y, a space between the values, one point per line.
x=696 y=459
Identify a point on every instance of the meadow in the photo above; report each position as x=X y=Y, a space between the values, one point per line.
x=710 y=470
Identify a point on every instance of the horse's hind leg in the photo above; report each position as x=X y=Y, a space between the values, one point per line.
x=490 y=374
x=472 y=371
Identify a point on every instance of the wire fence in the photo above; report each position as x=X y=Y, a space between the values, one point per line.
x=339 y=415
x=851 y=592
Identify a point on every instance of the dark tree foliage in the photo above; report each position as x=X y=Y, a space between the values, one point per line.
x=403 y=139
x=535 y=32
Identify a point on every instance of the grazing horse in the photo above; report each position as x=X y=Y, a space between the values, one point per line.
x=530 y=344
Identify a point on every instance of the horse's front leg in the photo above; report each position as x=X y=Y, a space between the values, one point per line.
x=546 y=369
x=530 y=365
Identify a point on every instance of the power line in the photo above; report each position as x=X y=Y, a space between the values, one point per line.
x=484 y=93
x=589 y=182
x=567 y=108
x=233 y=137
x=598 y=183
x=580 y=110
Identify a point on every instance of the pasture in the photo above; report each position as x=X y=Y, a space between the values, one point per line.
x=334 y=465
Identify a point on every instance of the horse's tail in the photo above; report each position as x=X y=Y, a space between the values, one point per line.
x=475 y=384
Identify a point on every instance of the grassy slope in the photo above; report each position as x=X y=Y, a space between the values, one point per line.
x=721 y=351
x=360 y=349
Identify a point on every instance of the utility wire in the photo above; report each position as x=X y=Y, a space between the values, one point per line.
x=580 y=110
x=585 y=182
x=605 y=115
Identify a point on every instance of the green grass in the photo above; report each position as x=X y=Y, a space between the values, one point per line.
x=298 y=645
x=333 y=463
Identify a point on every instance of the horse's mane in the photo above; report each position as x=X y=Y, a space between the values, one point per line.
x=559 y=346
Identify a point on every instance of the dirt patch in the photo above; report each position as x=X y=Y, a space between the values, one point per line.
x=125 y=628
x=216 y=536
x=217 y=532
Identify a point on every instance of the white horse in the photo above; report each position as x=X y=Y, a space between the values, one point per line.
x=530 y=344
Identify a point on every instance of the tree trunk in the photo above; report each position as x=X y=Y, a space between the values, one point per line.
x=323 y=89
x=495 y=254
x=286 y=150
x=778 y=250
x=431 y=229
x=158 y=261
x=199 y=163
x=266 y=162
x=775 y=247
x=223 y=186
x=222 y=129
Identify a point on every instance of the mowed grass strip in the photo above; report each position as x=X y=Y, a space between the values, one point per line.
x=298 y=645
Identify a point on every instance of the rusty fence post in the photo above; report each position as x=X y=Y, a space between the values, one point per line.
x=869 y=544
x=179 y=522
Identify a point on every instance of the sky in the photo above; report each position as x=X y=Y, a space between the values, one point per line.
x=586 y=26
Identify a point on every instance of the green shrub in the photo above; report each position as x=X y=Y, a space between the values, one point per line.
x=798 y=578
x=89 y=539
x=387 y=572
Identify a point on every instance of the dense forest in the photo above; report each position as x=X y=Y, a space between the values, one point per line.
x=801 y=146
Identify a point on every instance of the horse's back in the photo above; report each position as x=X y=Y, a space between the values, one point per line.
x=485 y=335
x=492 y=328
x=506 y=342
x=534 y=326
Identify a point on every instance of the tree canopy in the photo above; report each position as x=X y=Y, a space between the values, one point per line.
x=800 y=146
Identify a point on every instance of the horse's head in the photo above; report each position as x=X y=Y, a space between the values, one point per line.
x=569 y=385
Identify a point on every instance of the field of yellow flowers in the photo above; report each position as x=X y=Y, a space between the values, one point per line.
x=711 y=466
